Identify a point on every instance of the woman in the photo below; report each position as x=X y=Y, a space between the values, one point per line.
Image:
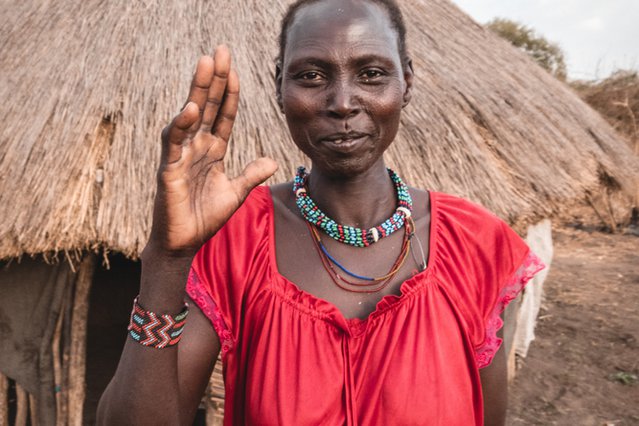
x=322 y=315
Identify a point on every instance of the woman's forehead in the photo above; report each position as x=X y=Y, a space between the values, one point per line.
x=330 y=24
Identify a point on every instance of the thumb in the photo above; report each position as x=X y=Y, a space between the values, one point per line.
x=254 y=173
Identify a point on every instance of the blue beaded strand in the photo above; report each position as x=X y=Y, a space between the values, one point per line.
x=342 y=267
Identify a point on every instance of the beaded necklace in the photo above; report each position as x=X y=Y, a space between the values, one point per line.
x=358 y=237
x=370 y=285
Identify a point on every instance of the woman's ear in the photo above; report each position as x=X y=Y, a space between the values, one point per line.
x=278 y=85
x=408 y=79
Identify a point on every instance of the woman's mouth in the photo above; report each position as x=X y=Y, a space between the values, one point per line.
x=345 y=143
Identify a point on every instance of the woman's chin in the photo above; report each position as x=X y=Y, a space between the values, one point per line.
x=347 y=166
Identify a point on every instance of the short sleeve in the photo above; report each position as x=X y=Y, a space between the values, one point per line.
x=486 y=265
x=223 y=268
x=517 y=270
x=506 y=266
x=209 y=298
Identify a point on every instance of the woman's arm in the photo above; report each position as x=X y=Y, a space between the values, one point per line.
x=194 y=199
x=162 y=386
x=494 y=385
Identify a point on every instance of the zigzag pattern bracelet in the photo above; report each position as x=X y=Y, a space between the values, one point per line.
x=154 y=330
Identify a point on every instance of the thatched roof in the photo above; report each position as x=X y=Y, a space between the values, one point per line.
x=88 y=85
x=616 y=98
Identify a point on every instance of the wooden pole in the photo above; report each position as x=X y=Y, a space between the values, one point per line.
x=634 y=142
x=215 y=396
x=510 y=317
x=603 y=220
x=65 y=349
x=33 y=410
x=77 y=356
x=22 y=409
x=611 y=214
x=60 y=388
x=210 y=406
x=4 y=400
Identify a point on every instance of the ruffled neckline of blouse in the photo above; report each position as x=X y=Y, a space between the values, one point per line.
x=321 y=309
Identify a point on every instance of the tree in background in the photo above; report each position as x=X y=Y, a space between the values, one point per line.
x=547 y=54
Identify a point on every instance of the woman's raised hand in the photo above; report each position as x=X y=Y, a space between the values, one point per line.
x=193 y=201
x=194 y=195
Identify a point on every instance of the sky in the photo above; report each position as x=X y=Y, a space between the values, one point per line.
x=596 y=36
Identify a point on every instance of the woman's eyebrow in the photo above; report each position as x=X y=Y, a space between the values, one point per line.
x=373 y=58
x=309 y=60
x=357 y=61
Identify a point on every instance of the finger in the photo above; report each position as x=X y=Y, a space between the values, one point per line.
x=201 y=81
x=174 y=135
x=253 y=174
x=226 y=116
x=215 y=94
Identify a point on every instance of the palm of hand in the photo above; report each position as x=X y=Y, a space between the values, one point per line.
x=195 y=197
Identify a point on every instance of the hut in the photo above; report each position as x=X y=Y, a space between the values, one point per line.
x=616 y=98
x=87 y=87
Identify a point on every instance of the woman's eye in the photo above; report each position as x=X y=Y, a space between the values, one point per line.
x=371 y=75
x=310 y=76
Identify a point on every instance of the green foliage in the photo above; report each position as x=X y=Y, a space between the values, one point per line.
x=624 y=378
x=547 y=54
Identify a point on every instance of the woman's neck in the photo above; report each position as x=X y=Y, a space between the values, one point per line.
x=363 y=200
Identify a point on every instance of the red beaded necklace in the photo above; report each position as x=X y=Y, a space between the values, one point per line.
x=367 y=285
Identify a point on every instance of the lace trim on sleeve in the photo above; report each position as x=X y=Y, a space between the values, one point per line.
x=531 y=265
x=209 y=308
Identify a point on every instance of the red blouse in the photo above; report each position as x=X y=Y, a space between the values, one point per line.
x=291 y=358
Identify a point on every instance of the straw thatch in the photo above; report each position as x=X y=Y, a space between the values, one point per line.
x=88 y=85
x=617 y=99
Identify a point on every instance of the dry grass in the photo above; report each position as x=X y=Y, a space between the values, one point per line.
x=617 y=99
x=88 y=85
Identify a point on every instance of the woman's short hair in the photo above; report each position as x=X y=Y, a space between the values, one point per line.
x=391 y=6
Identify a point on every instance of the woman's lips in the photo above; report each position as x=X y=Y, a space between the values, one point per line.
x=345 y=145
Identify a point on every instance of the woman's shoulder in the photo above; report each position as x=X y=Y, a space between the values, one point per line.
x=284 y=207
x=458 y=204
x=465 y=226
x=461 y=212
x=474 y=242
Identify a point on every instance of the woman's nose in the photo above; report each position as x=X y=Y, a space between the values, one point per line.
x=342 y=100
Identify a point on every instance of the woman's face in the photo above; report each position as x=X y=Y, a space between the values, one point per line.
x=342 y=85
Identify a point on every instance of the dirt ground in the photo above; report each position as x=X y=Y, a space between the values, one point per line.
x=582 y=368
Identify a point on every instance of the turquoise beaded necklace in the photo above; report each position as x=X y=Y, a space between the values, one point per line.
x=358 y=237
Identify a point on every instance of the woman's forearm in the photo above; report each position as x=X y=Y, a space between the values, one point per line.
x=145 y=387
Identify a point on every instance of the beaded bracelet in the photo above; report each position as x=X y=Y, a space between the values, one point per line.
x=157 y=331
